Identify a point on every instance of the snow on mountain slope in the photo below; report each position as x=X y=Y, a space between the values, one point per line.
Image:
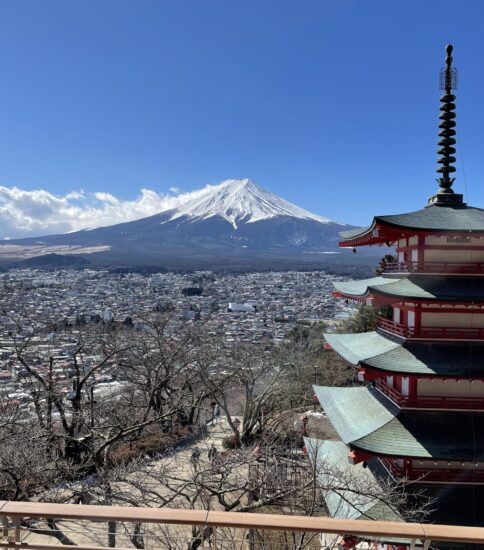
x=236 y=222
x=240 y=200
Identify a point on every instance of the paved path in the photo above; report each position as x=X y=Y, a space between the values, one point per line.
x=180 y=464
x=216 y=432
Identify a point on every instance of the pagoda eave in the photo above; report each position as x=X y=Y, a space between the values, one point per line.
x=414 y=288
x=384 y=232
x=371 y=297
x=375 y=234
x=388 y=430
x=379 y=298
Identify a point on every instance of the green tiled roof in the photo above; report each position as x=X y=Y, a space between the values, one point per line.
x=366 y=420
x=353 y=412
x=439 y=217
x=330 y=459
x=418 y=287
x=355 y=348
x=440 y=358
x=426 y=435
x=350 y=233
x=433 y=218
x=360 y=288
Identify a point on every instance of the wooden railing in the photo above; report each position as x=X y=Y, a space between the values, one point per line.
x=395 y=328
x=14 y=514
x=392 y=393
x=434 y=267
x=431 y=333
x=429 y=402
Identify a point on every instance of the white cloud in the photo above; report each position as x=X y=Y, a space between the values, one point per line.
x=35 y=213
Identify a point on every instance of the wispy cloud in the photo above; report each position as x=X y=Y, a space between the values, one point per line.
x=39 y=212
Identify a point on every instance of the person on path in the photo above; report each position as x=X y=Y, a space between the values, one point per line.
x=215 y=412
x=195 y=458
x=213 y=452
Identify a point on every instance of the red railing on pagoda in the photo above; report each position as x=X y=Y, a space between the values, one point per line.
x=434 y=267
x=431 y=333
x=429 y=402
x=395 y=328
x=390 y=392
x=425 y=475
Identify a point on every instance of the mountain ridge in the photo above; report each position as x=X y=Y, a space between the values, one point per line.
x=234 y=220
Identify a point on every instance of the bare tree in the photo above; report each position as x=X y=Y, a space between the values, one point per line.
x=251 y=372
x=166 y=376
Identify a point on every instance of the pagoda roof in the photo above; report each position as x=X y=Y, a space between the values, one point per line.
x=418 y=287
x=366 y=420
x=450 y=504
x=455 y=218
x=330 y=459
x=451 y=359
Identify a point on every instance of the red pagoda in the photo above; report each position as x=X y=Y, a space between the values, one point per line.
x=421 y=414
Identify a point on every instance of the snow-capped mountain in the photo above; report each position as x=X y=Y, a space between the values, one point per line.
x=235 y=221
x=240 y=201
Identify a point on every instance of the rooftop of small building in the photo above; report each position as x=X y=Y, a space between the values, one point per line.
x=326 y=456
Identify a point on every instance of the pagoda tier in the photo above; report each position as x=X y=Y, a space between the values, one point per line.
x=437 y=221
x=436 y=239
x=456 y=360
x=424 y=307
x=423 y=289
x=429 y=375
x=424 y=446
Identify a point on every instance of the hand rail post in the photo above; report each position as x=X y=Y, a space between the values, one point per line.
x=16 y=523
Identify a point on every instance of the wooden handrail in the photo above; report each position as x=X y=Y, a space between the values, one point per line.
x=348 y=527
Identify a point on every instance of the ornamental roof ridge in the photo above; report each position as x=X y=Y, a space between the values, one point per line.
x=448 y=82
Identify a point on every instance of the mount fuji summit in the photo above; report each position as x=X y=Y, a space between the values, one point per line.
x=235 y=221
x=238 y=202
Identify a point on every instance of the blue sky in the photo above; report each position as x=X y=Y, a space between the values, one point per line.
x=331 y=104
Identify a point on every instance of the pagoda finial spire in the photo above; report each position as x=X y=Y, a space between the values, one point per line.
x=448 y=82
